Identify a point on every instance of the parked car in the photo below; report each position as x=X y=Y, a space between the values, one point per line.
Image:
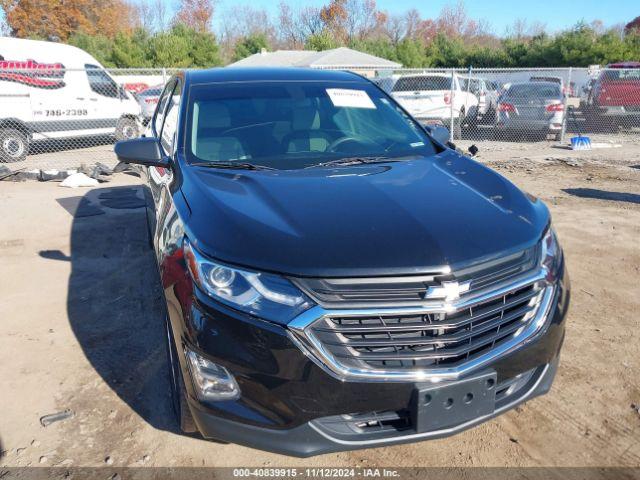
x=614 y=99
x=531 y=108
x=386 y=83
x=552 y=79
x=51 y=91
x=431 y=97
x=148 y=99
x=487 y=96
x=335 y=277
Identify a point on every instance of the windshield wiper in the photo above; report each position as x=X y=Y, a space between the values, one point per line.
x=238 y=165
x=352 y=161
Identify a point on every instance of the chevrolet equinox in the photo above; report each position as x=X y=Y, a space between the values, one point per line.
x=336 y=276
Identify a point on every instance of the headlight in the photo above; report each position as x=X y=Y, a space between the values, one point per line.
x=261 y=294
x=551 y=255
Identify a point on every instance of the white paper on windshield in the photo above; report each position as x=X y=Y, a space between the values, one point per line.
x=345 y=97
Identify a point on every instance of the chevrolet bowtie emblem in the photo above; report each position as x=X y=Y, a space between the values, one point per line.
x=447 y=291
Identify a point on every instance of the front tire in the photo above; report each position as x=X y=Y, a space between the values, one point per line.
x=14 y=145
x=178 y=391
x=457 y=126
x=127 y=129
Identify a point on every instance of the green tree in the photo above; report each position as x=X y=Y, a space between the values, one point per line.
x=321 y=41
x=446 y=52
x=169 y=50
x=380 y=47
x=249 y=45
x=183 y=47
x=411 y=53
x=131 y=50
x=99 y=46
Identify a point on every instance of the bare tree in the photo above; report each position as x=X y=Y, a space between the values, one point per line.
x=521 y=29
x=295 y=26
x=395 y=28
x=518 y=29
x=362 y=18
x=242 y=21
x=412 y=21
x=145 y=15
x=5 y=31
x=196 y=14
x=348 y=20
x=161 y=16
x=453 y=19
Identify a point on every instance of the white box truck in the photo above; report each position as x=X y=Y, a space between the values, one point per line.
x=54 y=91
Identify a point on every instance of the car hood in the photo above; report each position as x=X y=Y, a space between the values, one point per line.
x=377 y=219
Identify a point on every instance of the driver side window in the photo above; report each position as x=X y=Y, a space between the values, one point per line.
x=170 y=126
x=158 y=117
x=100 y=82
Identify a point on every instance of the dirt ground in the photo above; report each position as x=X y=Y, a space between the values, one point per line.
x=81 y=330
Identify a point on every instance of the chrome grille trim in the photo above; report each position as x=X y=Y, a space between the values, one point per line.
x=411 y=290
x=302 y=334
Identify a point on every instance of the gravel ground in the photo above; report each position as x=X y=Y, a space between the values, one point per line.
x=81 y=331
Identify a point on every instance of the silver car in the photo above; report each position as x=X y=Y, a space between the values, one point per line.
x=148 y=98
x=531 y=107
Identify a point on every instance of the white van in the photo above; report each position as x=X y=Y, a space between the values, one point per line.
x=431 y=96
x=52 y=91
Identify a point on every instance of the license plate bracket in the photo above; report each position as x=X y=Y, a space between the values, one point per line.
x=439 y=406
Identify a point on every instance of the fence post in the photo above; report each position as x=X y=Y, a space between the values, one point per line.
x=565 y=115
x=164 y=76
x=451 y=108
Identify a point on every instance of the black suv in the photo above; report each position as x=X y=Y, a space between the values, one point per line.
x=335 y=276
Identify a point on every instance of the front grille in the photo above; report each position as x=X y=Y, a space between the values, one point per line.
x=411 y=289
x=429 y=340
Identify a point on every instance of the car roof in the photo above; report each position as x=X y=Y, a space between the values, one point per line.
x=535 y=83
x=624 y=65
x=427 y=74
x=160 y=87
x=257 y=74
x=22 y=49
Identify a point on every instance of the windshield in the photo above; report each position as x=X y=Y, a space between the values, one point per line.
x=289 y=125
x=533 y=90
x=546 y=79
x=622 y=74
x=414 y=84
x=151 y=92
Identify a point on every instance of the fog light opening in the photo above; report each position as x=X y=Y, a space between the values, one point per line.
x=212 y=382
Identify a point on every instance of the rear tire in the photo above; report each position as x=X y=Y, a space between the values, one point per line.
x=14 y=145
x=127 y=129
x=456 y=128
x=178 y=391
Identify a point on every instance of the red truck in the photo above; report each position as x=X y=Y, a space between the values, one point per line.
x=614 y=99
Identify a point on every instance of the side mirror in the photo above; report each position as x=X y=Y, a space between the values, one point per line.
x=141 y=151
x=439 y=133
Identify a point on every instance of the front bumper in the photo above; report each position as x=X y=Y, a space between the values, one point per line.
x=292 y=406
x=525 y=126
x=620 y=111
x=312 y=438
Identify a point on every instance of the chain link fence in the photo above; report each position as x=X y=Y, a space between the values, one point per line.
x=52 y=118
x=522 y=105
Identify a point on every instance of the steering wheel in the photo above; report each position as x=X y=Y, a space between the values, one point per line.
x=342 y=140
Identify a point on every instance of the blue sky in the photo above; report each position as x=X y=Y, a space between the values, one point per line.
x=555 y=14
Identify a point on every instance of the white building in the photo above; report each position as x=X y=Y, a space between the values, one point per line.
x=342 y=58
